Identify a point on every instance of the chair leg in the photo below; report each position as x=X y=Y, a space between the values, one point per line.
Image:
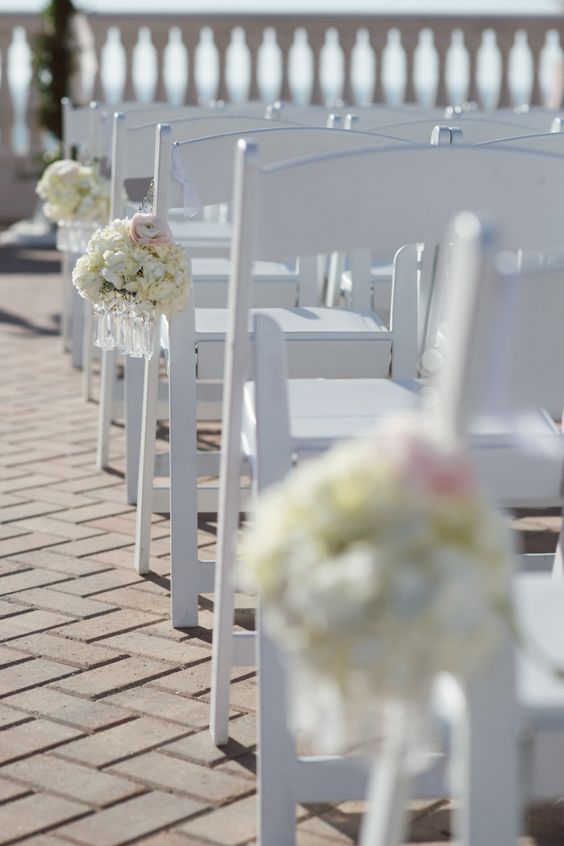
x=135 y=407
x=485 y=756
x=275 y=750
x=184 y=566
x=558 y=565
x=224 y=620
x=146 y=463
x=109 y=364
x=77 y=329
x=87 y=357
x=66 y=303
x=385 y=820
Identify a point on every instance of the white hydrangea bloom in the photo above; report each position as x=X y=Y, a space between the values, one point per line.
x=72 y=191
x=379 y=566
x=116 y=268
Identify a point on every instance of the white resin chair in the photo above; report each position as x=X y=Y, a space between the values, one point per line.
x=80 y=140
x=133 y=151
x=508 y=735
x=346 y=343
x=520 y=188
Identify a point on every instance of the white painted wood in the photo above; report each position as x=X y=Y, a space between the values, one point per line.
x=146 y=456
x=107 y=376
x=337 y=223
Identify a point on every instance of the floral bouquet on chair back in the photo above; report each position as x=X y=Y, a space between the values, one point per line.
x=77 y=199
x=132 y=272
x=379 y=566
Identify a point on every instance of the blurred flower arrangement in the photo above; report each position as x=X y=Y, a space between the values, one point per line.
x=133 y=271
x=378 y=566
x=74 y=192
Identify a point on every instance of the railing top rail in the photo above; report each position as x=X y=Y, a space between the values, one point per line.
x=412 y=18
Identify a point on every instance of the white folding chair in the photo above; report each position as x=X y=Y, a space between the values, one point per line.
x=346 y=343
x=482 y=376
x=132 y=167
x=80 y=134
x=521 y=189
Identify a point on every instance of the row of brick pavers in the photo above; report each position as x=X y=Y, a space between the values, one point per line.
x=104 y=707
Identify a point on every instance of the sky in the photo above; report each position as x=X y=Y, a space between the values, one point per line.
x=330 y=6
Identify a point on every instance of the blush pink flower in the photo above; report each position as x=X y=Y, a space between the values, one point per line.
x=446 y=474
x=148 y=229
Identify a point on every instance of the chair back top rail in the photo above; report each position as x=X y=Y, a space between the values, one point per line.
x=408 y=194
x=208 y=162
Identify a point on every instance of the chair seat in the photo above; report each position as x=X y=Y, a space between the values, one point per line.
x=219 y=268
x=202 y=237
x=324 y=411
x=199 y=230
x=364 y=342
x=275 y=283
x=540 y=602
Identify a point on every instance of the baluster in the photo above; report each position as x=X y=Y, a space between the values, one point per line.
x=6 y=106
x=394 y=68
x=238 y=71
x=145 y=67
x=20 y=80
x=206 y=70
x=174 y=68
x=114 y=67
x=362 y=71
x=521 y=72
x=160 y=41
x=491 y=59
x=301 y=69
x=331 y=69
x=426 y=71
x=269 y=68
x=316 y=38
x=222 y=37
x=550 y=71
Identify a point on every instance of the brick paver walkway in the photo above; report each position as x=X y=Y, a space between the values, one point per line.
x=104 y=708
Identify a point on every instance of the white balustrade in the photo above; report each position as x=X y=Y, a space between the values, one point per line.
x=357 y=59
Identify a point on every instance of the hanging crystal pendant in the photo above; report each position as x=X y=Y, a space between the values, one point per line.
x=127 y=326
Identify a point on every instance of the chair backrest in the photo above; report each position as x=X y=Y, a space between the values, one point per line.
x=133 y=144
x=506 y=345
x=376 y=198
x=207 y=163
x=394 y=195
x=474 y=129
x=81 y=129
x=537 y=118
x=546 y=142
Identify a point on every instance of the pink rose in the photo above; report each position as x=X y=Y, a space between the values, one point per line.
x=148 y=229
x=447 y=474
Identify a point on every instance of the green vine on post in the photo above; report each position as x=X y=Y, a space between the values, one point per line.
x=54 y=63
